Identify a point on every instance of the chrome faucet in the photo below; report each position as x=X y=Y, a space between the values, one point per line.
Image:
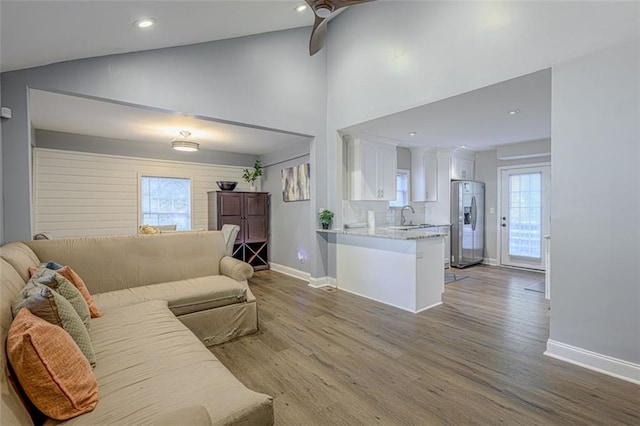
x=402 y=218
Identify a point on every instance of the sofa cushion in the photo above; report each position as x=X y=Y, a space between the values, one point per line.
x=141 y=259
x=193 y=415
x=66 y=289
x=150 y=364
x=45 y=303
x=12 y=408
x=75 y=279
x=184 y=297
x=52 y=371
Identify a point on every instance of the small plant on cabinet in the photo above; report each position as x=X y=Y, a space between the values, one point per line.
x=250 y=176
x=326 y=217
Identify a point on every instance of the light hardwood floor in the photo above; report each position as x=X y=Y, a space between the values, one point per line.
x=332 y=358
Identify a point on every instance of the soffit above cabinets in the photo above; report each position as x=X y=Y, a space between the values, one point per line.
x=478 y=120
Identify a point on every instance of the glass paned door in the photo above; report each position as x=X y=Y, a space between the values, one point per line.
x=524 y=216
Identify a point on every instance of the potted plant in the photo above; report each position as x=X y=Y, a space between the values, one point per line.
x=326 y=217
x=250 y=176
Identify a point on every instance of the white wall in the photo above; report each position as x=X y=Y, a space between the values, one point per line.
x=387 y=57
x=289 y=220
x=595 y=201
x=487 y=165
x=86 y=194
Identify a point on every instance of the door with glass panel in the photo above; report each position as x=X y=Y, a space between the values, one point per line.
x=524 y=216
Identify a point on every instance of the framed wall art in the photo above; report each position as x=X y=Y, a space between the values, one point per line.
x=296 y=185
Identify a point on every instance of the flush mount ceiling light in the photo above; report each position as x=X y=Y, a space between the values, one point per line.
x=300 y=8
x=144 y=22
x=514 y=111
x=184 y=144
x=413 y=133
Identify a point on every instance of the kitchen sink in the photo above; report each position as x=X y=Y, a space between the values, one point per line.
x=403 y=227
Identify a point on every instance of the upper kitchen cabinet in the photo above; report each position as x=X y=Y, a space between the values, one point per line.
x=371 y=168
x=424 y=175
x=462 y=164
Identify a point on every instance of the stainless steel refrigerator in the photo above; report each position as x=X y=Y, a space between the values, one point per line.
x=467 y=223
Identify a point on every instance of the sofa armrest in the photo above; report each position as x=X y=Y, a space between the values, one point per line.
x=236 y=269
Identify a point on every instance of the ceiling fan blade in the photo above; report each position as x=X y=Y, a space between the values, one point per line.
x=318 y=36
x=319 y=32
x=339 y=4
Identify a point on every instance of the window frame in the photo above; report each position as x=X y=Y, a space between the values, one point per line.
x=169 y=176
x=407 y=173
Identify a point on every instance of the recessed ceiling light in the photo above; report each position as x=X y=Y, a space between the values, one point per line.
x=514 y=111
x=462 y=146
x=300 y=8
x=144 y=23
x=413 y=133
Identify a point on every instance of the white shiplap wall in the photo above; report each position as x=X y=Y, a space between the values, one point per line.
x=84 y=194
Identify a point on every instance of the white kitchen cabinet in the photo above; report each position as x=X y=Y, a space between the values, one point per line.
x=372 y=170
x=462 y=168
x=424 y=175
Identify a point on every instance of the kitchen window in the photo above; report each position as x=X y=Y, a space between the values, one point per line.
x=166 y=201
x=402 y=189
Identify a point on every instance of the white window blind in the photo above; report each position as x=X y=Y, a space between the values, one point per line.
x=166 y=201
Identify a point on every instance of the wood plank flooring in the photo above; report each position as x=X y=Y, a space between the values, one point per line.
x=332 y=358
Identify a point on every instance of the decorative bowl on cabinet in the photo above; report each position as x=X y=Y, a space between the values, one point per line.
x=226 y=185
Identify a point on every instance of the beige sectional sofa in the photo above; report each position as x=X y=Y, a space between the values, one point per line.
x=163 y=298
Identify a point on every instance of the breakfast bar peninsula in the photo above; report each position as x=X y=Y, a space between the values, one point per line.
x=398 y=267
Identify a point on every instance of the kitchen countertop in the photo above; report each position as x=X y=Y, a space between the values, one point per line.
x=392 y=234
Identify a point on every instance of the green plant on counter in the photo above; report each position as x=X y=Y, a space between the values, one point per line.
x=326 y=217
x=250 y=176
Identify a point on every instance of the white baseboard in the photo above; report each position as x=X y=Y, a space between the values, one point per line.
x=292 y=272
x=490 y=262
x=610 y=366
x=317 y=282
x=391 y=304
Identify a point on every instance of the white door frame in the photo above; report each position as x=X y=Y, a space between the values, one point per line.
x=499 y=208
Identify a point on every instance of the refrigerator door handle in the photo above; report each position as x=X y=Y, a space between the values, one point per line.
x=474 y=213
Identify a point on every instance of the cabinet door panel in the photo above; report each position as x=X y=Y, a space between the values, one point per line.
x=370 y=190
x=256 y=229
x=255 y=205
x=431 y=177
x=387 y=166
x=230 y=204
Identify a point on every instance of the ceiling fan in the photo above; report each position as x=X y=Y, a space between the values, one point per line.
x=322 y=10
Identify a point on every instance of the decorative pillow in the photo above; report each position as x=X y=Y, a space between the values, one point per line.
x=75 y=279
x=148 y=229
x=66 y=289
x=50 y=368
x=45 y=303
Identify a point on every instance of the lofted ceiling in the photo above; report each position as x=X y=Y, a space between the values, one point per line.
x=37 y=33
x=40 y=32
